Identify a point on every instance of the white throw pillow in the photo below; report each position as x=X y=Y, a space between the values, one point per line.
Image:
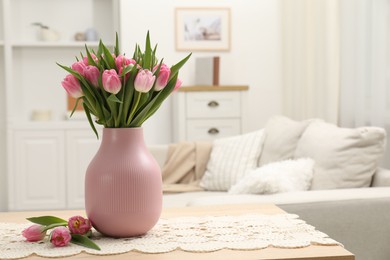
x=230 y=159
x=281 y=136
x=277 y=177
x=345 y=157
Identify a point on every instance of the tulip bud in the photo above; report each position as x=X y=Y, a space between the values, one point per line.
x=79 y=225
x=178 y=84
x=34 y=233
x=111 y=81
x=127 y=75
x=72 y=85
x=79 y=67
x=60 y=236
x=92 y=74
x=85 y=59
x=144 y=81
x=121 y=62
x=162 y=78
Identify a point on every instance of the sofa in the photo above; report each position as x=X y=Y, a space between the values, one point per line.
x=352 y=209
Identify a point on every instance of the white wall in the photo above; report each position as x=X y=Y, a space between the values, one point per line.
x=3 y=178
x=254 y=58
x=3 y=175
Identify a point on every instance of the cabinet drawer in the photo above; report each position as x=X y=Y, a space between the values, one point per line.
x=209 y=129
x=213 y=104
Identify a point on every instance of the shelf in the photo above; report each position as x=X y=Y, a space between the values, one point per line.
x=46 y=125
x=213 y=88
x=60 y=44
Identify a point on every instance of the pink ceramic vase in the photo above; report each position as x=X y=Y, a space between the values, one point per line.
x=123 y=185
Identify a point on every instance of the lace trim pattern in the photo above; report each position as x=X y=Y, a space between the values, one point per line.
x=193 y=234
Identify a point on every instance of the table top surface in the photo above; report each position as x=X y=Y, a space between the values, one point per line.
x=308 y=253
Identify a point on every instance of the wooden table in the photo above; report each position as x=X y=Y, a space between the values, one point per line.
x=307 y=253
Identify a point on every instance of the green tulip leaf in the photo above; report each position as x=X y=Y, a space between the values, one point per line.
x=108 y=57
x=88 y=113
x=105 y=64
x=126 y=70
x=137 y=121
x=157 y=71
x=73 y=72
x=84 y=241
x=135 y=52
x=113 y=98
x=175 y=68
x=154 y=58
x=90 y=59
x=116 y=49
x=75 y=106
x=147 y=63
x=46 y=220
x=128 y=96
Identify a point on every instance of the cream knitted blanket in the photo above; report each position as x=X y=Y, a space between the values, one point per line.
x=185 y=165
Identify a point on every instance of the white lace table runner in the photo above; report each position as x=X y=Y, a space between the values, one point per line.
x=194 y=234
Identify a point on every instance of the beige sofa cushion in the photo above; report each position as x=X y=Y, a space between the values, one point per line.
x=344 y=157
x=381 y=178
x=281 y=137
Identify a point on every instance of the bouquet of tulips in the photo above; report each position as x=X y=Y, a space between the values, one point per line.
x=120 y=91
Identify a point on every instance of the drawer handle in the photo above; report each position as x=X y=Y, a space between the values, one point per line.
x=213 y=104
x=213 y=131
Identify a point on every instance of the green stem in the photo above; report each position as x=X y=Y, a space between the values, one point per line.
x=134 y=108
x=54 y=225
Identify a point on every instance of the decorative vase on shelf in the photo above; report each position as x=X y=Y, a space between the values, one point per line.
x=123 y=185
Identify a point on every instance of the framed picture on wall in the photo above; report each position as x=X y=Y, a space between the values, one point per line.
x=202 y=29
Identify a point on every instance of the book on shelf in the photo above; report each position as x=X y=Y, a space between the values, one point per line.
x=207 y=71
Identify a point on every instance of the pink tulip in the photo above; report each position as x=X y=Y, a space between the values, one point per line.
x=111 y=81
x=79 y=225
x=85 y=59
x=178 y=84
x=121 y=62
x=162 y=78
x=60 y=236
x=92 y=74
x=144 y=81
x=126 y=76
x=34 y=233
x=79 y=67
x=72 y=85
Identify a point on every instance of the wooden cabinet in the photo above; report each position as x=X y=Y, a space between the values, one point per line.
x=38 y=167
x=48 y=166
x=208 y=112
x=81 y=147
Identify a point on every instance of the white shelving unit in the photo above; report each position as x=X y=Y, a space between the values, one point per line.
x=30 y=80
x=60 y=44
x=3 y=135
x=35 y=79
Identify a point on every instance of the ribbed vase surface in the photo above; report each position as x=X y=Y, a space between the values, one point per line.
x=123 y=185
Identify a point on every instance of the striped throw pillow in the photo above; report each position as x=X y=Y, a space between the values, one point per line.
x=231 y=159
